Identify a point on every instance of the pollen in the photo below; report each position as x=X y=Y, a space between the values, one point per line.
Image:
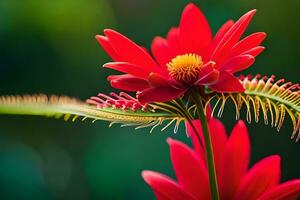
x=185 y=68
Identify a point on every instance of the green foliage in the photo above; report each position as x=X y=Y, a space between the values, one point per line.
x=275 y=100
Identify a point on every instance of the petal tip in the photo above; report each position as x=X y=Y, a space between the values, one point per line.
x=108 y=30
x=170 y=140
x=253 y=11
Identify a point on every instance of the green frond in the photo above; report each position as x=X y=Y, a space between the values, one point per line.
x=274 y=100
x=72 y=109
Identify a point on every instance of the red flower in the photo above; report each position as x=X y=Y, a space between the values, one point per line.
x=189 y=56
x=232 y=157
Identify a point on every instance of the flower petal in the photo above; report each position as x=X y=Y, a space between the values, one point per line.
x=218 y=140
x=236 y=161
x=221 y=32
x=173 y=37
x=156 y=80
x=162 y=51
x=263 y=176
x=254 y=51
x=238 y=63
x=128 y=68
x=190 y=171
x=289 y=190
x=208 y=74
x=248 y=43
x=195 y=32
x=160 y=94
x=103 y=41
x=231 y=38
x=227 y=83
x=129 y=51
x=128 y=82
x=195 y=136
x=165 y=186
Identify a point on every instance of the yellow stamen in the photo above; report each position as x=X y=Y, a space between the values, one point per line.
x=185 y=68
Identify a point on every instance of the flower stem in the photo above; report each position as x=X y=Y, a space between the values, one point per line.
x=190 y=120
x=208 y=146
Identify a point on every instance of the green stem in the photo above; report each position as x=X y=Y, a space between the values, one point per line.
x=189 y=119
x=208 y=146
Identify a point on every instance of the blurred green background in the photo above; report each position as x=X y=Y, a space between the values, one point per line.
x=49 y=47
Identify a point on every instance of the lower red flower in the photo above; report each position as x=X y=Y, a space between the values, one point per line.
x=232 y=157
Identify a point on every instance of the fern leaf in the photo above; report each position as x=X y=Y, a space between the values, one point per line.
x=116 y=109
x=273 y=99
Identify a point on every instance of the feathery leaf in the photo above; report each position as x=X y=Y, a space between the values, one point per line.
x=126 y=113
x=274 y=99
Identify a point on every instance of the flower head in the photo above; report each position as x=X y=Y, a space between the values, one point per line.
x=232 y=157
x=190 y=56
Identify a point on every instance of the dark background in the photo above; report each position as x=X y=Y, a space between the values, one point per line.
x=49 y=47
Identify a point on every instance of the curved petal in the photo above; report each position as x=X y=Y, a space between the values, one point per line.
x=227 y=83
x=156 y=80
x=238 y=63
x=162 y=51
x=263 y=176
x=128 y=68
x=208 y=74
x=128 y=82
x=173 y=37
x=218 y=140
x=195 y=32
x=103 y=41
x=130 y=51
x=210 y=78
x=195 y=137
x=220 y=34
x=160 y=94
x=254 y=51
x=237 y=157
x=222 y=31
x=231 y=38
x=289 y=190
x=165 y=187
x=248 y=43
x=190 y=171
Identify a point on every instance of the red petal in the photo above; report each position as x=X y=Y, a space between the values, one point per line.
x=162 y=51
x=255 y=51
x=218 y=139
x=130 y=51
x=287 y=191
x=156 y=80
x=248 y=43
x=165 y=186
x=128 y=68
x=221 y=32
x=190 y=171
x=173 y=37
x=237 y=157
x=103 y=41
x=196 y=143
x=231 y=38
x=128 y=82
x=227 y=83
x=195 y=32
x=160 y=94
x=262 y=177
x=208 y=74
x=209 y=78
x=238 y=63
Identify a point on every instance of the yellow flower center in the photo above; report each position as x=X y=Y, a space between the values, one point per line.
x=185 y=68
